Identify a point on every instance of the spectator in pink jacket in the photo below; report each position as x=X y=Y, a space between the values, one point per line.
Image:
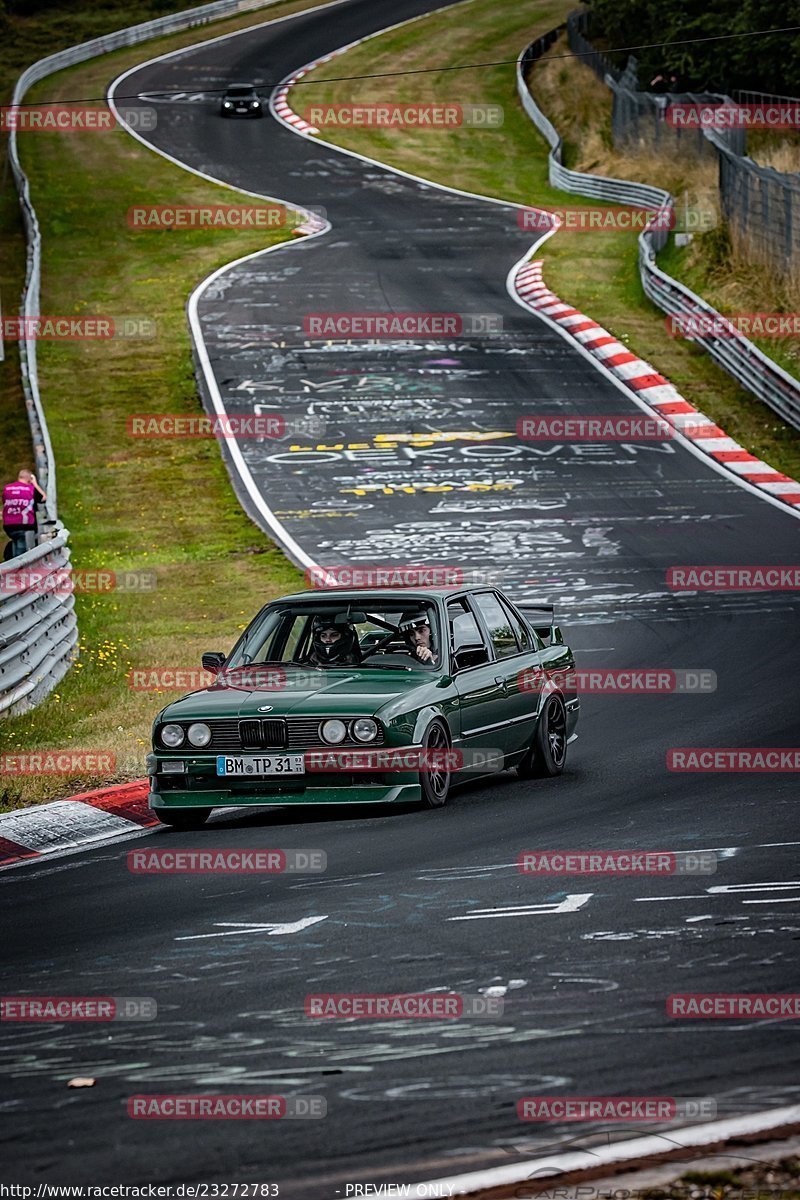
x=19 y=513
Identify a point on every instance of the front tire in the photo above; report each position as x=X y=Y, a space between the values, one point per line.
x=547 y=755
x=183 y=818
x=435 y=784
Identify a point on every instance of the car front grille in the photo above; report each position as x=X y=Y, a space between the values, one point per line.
x=274 y=733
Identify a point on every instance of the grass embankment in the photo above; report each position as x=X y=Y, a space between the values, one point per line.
x=596 y=272
x=144 y=504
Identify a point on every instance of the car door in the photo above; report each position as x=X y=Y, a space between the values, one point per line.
x=516 y=658
x=475 y=674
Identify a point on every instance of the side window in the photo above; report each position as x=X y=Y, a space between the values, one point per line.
x=498 y=621
x=464 y=629
x=523 y=636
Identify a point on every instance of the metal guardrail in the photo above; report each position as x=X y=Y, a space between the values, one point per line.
x=733 y=352
x=38 y=631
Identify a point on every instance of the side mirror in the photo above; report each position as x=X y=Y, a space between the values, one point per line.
x=213 y=661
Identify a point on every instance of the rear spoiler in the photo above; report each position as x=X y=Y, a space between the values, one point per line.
x=543 y=619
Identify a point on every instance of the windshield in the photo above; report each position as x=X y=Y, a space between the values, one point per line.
x=328 y=635
x=242 y=90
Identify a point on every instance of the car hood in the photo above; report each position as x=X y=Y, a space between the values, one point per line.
x=338 y=693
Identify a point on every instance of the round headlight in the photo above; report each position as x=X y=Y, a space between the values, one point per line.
x=199 y=734
x=365 y=729
x=171 y=736
x=333 y=732
x=227 y=104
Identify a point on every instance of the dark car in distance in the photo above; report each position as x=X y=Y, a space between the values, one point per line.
x=241 y=100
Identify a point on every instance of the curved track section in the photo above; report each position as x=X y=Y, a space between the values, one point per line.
x=420 y=464
x=420 y=461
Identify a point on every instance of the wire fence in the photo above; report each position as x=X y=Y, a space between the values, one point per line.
x=735 y=353
x=761 y=205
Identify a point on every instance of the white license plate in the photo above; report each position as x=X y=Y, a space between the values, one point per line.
x=261 y=764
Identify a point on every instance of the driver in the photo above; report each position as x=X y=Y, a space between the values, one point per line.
x=416 y=630
x=334 y=643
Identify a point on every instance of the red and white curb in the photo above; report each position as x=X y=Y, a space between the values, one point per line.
x=280 y=102
x=33 y=833
x=645 y=382
x=541 y=1174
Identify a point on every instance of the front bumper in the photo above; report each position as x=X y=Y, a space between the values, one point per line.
x=200 y=787
x=409 y=793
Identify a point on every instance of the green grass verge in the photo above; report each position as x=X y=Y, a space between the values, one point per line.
x=597 y=273
x=159 y=504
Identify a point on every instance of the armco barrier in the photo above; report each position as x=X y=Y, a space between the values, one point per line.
x=735 y=354
x=38 y=632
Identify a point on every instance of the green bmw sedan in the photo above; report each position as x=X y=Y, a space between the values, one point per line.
x=384 y=696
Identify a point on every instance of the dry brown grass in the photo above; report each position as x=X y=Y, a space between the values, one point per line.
x=579 y=105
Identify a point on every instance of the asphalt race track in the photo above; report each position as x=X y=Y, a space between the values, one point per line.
x=417 y=901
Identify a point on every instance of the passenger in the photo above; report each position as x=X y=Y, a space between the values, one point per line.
x=334 y=644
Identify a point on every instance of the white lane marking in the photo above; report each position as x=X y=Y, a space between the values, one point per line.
x=271 y=928
x=734 y=889
x=781 y=885
x=569 y=904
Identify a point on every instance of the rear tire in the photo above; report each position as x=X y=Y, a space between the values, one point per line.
x=183 y=818
x=435 y=784
x=547 y=755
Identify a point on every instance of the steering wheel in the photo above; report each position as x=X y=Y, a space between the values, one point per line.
x=379 y=647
